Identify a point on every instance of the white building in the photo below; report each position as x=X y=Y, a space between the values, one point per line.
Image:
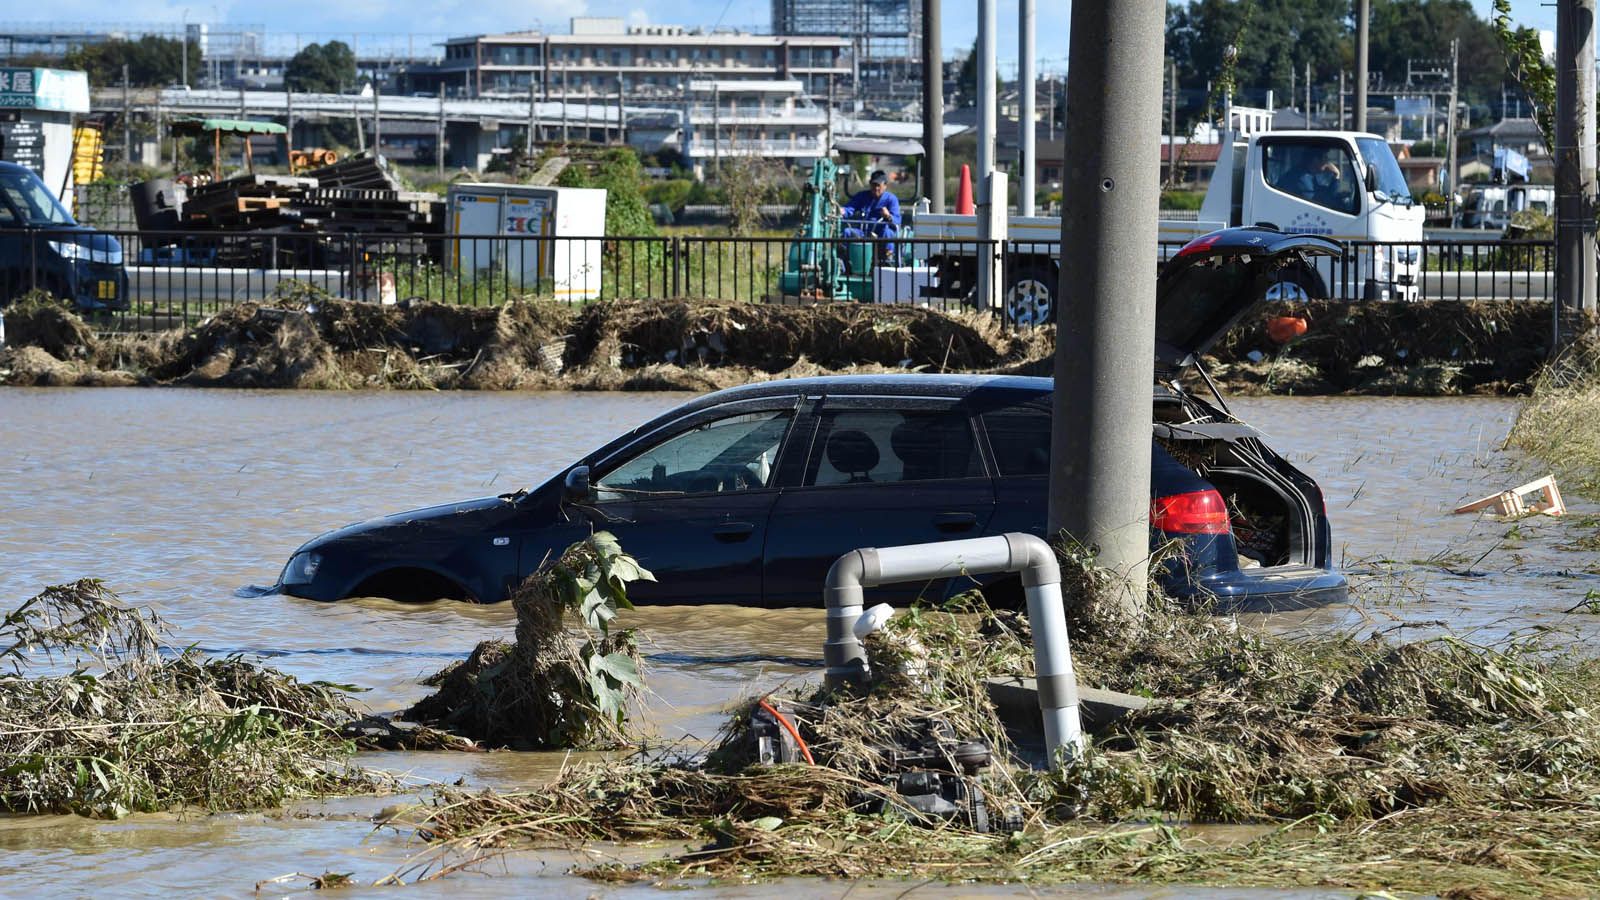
x=603 y=56
x=725 y=119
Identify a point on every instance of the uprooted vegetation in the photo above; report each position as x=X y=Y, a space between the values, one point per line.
x=550 y=689
x=1560 y=423
x=1431 y=348
x=303 y=338
x=1435 y=766
x=98 y=717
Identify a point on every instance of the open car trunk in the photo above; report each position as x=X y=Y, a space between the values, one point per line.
x=1274 y=510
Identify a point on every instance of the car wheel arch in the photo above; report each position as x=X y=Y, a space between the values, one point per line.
x=409 y=583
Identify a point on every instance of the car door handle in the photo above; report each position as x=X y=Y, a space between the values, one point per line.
x=729 y=532
x=955 y=521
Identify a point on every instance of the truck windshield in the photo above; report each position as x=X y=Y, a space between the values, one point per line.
x=33 y=201
x=1391 y=180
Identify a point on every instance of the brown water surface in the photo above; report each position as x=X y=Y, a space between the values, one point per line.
x=181 y=498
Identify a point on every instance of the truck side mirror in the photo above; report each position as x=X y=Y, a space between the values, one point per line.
x=1372 y=178
x=576 y=486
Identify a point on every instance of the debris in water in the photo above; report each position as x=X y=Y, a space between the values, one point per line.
x=550 y=690
x=1538 y=496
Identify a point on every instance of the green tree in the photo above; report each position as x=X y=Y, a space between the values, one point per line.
x=967 y=78
x=151 y=60
x=321 y=68
x=1405 y=30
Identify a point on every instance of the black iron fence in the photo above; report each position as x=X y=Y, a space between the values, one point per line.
x=160 y=279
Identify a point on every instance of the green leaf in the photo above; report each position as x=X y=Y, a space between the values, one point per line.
x=619 y=666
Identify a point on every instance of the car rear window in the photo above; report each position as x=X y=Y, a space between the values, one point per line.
x=1019 y=437
x=886 y=446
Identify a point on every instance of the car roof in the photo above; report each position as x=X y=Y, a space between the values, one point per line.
x=907 y=385
x=11 y=168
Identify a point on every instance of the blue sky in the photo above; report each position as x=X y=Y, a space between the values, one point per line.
x=434 y=17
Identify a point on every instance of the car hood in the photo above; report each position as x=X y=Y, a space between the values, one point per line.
x=1215 y=280
x=420 y=521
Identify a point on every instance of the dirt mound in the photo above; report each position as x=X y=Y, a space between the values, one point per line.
x=1429 y=348
x=38 y=320
x=772 y=338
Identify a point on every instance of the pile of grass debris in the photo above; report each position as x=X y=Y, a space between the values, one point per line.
x=1364 y=763
x=1560 y=423
x=1432 y=348
x=551 y=689
x=98 y=717
x=303 y=338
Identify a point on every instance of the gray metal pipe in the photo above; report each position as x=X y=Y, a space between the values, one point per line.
x=852 y=573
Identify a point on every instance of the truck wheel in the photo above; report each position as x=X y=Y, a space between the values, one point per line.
x=1296 y=285
x=1030 y=300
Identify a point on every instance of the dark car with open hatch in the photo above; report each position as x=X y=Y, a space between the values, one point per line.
x=747 y=495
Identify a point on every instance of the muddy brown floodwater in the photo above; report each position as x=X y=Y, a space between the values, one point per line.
x=181 y=498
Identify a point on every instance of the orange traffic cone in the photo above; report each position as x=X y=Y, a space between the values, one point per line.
x=964 y=205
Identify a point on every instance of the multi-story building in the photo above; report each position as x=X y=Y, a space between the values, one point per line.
x=885 y=38
x=655 y=62
x=725 y=119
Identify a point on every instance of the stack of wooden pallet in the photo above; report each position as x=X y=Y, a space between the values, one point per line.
x=356 y=194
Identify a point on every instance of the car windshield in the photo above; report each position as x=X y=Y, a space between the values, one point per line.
x=1391 y=180
x=33 y=200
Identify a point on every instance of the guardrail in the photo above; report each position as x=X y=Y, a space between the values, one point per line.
x=159 y=279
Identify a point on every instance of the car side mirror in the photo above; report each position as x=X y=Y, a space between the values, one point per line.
x=576 y=487
x=1372 y=178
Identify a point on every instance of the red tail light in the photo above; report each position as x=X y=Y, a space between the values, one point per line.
x=1197 y=512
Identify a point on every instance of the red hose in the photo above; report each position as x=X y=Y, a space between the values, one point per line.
x=789 y=727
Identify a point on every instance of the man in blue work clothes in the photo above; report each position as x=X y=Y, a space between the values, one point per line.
x=874 y=212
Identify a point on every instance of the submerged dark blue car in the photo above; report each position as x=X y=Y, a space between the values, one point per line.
x=746 y=496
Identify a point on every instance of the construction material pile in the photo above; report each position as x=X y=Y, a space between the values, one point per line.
x=225 y=220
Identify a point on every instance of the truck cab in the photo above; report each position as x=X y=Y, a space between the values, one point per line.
x=1341 y=185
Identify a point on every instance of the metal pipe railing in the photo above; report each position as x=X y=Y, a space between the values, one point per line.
x=852 y=573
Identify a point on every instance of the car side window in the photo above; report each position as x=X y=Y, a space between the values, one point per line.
x=1019 y=437
x=738 y=453
x=885 y=446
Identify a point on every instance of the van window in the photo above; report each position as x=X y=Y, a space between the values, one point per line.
x=33 y=200
x=885 y=446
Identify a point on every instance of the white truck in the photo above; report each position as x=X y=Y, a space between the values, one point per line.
x=1341 y=185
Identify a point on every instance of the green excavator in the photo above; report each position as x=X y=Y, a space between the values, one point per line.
x=821 y=264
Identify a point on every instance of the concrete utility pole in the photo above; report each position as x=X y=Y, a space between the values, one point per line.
x=1363 y=17
x=1308 y=94
x=1105 y=343
x=438 y=146
x=1341 y=100
x=1575 y=155
x=127 y=118
x=288 y=125
x=527 y=149
x=622 y=114
x=932 y=106
x=1025 y=146
x=1450 y=126
x=987 y=26
x=377 y=119
x=1172 y=123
